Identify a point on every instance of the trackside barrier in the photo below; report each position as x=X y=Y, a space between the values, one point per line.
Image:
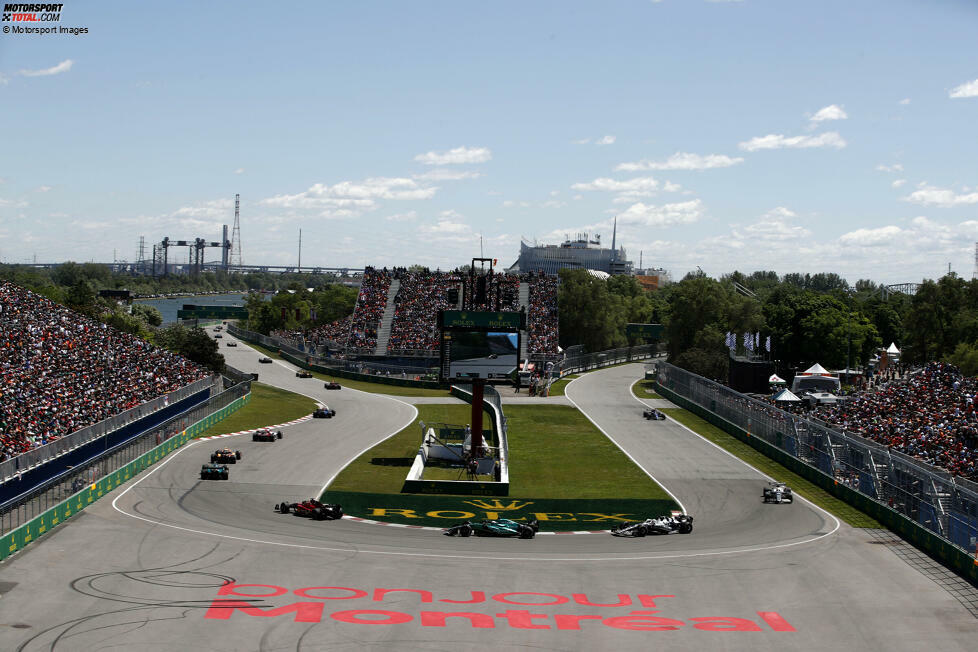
x=33 y=529
x=492 y=403
x=903 y=516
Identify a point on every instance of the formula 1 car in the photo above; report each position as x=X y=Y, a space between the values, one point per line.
x=502 y=527
x=653 y=414
x=266 y=434
x=302 y=373
x=213 y=472
x=332 y=385
x=674 y=524
x=226 y=456
x=232 y=343
x=218 y=336
x=324 y=413
x=264 y=361
x=777 y=492
x=312 y=508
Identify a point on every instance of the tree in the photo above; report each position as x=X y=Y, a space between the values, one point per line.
x=192 y=343
x=149 y=314
x=589 y=314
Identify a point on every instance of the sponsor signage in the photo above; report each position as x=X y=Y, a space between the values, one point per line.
x=500 y=321
x=648 y=331
x=212 y=312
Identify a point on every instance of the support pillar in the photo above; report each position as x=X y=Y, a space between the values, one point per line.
x=478 y=386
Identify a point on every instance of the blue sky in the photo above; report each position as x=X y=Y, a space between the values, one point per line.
x=830 y=136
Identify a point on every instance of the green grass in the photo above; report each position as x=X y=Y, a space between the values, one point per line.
x=268 y=406
x=557 y=389
x=382 y=468
x=363 y=385
x=643 y=389
x=759 y=461
x=555 y=452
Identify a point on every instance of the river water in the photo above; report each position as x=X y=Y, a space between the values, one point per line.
x=169 y=307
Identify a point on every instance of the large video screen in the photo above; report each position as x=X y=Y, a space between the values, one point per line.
x=476 y=354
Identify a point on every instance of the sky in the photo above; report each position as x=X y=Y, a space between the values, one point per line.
x=726 y=135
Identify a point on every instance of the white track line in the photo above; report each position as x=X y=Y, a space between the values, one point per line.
x=838 y=523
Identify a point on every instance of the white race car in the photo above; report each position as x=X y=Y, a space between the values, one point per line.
x=777 y=492
x=674 y=524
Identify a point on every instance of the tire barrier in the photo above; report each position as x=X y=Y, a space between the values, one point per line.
x=30 y=531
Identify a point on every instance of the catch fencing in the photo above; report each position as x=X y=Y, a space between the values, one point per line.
x=29 y=506
x=588 y=361
x=58 y=447
x=927 y=505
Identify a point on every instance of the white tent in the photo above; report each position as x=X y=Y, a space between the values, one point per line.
x=817 y=369
x=786 y=395
x=775 y=379
x=893 y=349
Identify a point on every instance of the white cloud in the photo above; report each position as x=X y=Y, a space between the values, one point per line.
x=43 y=188
x=4 y=79
x=553 y=203
x=664 y=215
x=446 y=227
x=239 y=171
x=410 y=216
x=64 y=66
x=683 y=161
x=638 y=184
x=896 y=167
x=348 y=198
x=90 y=225
x=509 y=203
x=905 y=101
x=967 y=89
x=830 y=112
x=898 y=182
x=606 y=140
x=780 y=212
x=456 y=156
x=669 y=186
x=945 y=197
x=582 y=141
x=880 y=237
x=446 y=174
x=779 y=141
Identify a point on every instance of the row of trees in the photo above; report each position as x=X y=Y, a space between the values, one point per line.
x=809 y=318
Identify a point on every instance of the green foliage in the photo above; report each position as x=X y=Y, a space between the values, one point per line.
x=192 y=343
x=149 y=314
x=965 y=356
x=589 y=313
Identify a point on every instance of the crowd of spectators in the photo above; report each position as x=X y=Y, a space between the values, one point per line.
x=61 y=371
x=370 y=307
x=420 y=296
x=333 y=334
x=541 y=314
x=929 y=415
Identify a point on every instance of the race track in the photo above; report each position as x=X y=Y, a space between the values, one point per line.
x=143 y=569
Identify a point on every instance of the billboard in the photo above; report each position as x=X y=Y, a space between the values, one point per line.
x=481 y=354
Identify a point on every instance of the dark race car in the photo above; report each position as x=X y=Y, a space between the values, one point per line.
x=653 y=415
x=232 y=343
x=674 y=524
x=266 y=434
x=213 y=472
x=225 y=456
x=218 y=336
x=324 y=413
x=302 y=373
x=332 y=385
x=313 y=509
x=264 y=361
x=502 y=527
x=777 y=492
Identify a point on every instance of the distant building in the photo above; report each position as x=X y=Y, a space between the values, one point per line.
x=581 y=253
x=652 y=279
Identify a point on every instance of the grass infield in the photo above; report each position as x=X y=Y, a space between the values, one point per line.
x=268 y=406
x=561 y=466
x=759 y=461
x=644 y=389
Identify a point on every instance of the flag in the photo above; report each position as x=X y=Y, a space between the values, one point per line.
x=757 y=341
x=767 y=344
x=749 y=342
x=731 y=341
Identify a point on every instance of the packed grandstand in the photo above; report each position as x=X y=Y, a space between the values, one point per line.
x=61 y=371
x=419 y=297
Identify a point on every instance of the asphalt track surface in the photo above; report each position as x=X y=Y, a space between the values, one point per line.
x=143 y=568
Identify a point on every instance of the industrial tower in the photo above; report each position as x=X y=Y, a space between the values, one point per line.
x=236 y=234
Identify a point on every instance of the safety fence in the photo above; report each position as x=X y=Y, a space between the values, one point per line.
x=589 y=361
x=927 y=506
x=45 y=508
x=58 y=447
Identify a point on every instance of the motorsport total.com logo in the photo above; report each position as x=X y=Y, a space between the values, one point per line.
x=32 y=13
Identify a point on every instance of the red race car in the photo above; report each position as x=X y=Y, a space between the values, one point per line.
x=312 y=508
x=332 y=385
x=266 y=434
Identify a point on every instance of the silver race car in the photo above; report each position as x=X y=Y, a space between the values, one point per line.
x=777 y=492
x=673 y=524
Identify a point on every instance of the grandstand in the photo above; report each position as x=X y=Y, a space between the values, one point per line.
x=396 y=313
x=63 y=371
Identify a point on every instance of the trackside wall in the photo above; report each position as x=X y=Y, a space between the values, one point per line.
x=910 y=530
x=37 y=527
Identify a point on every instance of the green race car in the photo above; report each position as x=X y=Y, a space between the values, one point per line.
x=502 y=527
x=214 y=472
